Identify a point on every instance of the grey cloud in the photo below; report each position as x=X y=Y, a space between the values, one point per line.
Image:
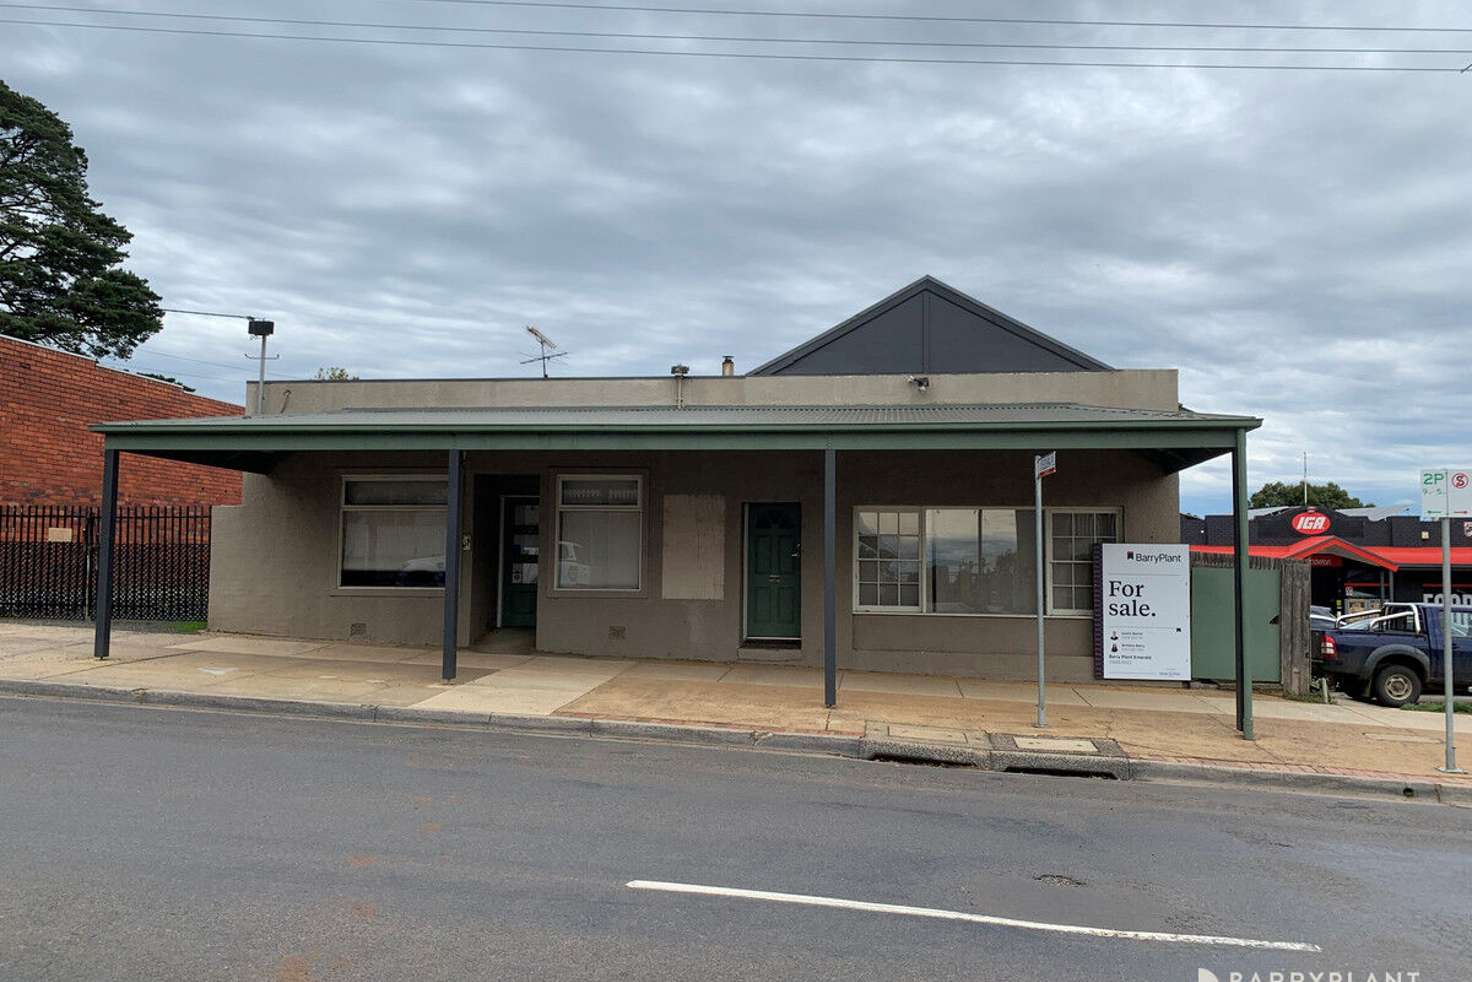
x=1297 y=244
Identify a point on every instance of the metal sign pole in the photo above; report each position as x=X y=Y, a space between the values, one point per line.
x=1041 y=467
x=1446 y=647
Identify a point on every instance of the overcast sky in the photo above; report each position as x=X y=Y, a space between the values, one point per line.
x=1298 y=244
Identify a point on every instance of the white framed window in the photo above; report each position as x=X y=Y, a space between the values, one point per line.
x=1072 y=535
x=968 y=561
x=393 y=531
x=887 y=559
x=600 y=532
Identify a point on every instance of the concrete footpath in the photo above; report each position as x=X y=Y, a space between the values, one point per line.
x=1125 y=731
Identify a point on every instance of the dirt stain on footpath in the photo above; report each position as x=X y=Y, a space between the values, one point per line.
x=360 y=861
x=294 y=968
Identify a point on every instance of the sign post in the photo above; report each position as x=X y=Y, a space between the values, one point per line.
x=1042 y=466
x=1446 y=493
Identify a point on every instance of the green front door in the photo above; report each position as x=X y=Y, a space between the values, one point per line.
x=774 y=571
x=520 y=541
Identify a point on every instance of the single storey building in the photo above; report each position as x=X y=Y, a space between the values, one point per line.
x=864 y=499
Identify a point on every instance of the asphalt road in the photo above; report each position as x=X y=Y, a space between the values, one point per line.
x=145 y=843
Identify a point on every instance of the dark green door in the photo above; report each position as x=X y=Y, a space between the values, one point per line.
x=520 y=545
x=774 y=571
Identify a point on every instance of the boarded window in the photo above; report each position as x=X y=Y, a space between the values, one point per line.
x=694 y=547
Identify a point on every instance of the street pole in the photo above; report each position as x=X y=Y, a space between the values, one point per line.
x=1446 y=647
x=261 y=382
x=1042 y=466
x=1037 y=514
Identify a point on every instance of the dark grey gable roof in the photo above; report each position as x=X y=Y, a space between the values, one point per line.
x=930 y=327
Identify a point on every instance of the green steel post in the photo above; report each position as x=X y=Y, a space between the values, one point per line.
x=450 y=640
x=1239 y=591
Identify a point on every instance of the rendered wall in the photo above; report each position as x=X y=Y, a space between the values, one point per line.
x=274 y=562
x=1134 y=388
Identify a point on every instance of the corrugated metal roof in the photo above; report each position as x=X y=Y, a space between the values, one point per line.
x=765 y=417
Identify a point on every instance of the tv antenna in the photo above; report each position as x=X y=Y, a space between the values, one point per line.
x=548 y=347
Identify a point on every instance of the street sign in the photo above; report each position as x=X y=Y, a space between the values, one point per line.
x=1045 y=465
x=1446 y=493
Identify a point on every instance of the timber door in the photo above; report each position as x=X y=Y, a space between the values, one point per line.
x=520 y=545
x=774 y=572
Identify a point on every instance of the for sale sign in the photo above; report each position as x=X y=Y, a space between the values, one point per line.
x=1446 y=493
x=1145 y=611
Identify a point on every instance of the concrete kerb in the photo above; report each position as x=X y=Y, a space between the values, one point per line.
x=865 y=748
x=1416 y=788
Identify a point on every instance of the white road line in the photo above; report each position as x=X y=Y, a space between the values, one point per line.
x=956 y=915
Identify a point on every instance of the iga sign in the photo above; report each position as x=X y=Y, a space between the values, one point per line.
x=1310 y=523
x=1144 y=611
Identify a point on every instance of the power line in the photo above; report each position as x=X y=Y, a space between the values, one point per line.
x=197 y=361
x=622 y=35
x=734 y=55
x=938 y=19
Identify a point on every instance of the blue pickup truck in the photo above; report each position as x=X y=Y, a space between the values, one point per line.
x=1394 y=654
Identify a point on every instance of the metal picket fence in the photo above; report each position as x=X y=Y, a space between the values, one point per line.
x=48 y=562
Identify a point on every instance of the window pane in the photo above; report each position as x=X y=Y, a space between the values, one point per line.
x=889 y=594
x=395 y=492
x=908 y=547
x=1107 y=526
x=909 y=523
x=598 y=550
x=909 y=572
x=868 y=546
x=868 y=523
x=953 y=560
x=889 y=522
x=910 y=595
x=393 y=548
x=1083 y=598
x=869 y=572
x=1009 y=561
x=889 y=572
x=1062 y=598
x=1083 y=550
x=615 y=492
x=868 y=594
x=1062 y=523
x=1063 y=574
x=1083 y=526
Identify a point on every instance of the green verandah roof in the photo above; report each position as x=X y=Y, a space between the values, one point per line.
x=1175 y=439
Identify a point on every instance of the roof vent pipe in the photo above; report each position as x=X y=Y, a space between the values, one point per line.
x=728 y=366
x=679 y=372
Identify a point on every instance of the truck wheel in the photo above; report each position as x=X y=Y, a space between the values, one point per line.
x=1396 y=685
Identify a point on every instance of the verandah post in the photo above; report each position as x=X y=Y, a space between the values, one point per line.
x=1239 y=582
x=452 y=568
x=830 y=588
x=109 y=508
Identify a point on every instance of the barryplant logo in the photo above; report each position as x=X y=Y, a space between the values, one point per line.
x=1284 y=975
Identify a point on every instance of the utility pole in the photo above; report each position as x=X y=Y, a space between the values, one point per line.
x=263 y=330
x=258 y=329
x=1305 y=477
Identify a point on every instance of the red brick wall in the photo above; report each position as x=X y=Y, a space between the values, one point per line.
x=47 y=456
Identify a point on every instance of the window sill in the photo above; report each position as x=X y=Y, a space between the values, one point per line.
x=387 y=591
x=1066 y=616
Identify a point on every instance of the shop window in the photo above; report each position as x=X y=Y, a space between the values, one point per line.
x=599 y=532
x=974 y=560
x=393 y=531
